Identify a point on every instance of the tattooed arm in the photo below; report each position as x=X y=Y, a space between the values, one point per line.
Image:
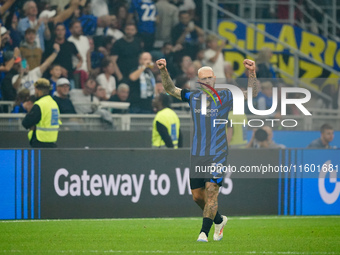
x=252 y=80
x=168 y=84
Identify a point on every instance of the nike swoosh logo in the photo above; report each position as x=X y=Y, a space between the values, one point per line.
x=196 y=98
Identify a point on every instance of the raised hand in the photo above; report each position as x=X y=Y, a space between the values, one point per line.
x=161 y=63
x=249 y=64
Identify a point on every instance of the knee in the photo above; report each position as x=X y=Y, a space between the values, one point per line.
x=212 y=191
x=197 y=197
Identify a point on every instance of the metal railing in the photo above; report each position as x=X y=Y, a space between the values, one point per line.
x=210 y=19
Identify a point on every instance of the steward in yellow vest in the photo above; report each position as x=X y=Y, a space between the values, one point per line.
x=166 y=125
x=237 y=130
x=43 y=119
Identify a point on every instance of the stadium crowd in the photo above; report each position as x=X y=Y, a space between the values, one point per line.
x=105 y=51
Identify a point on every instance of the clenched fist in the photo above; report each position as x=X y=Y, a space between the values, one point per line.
x=161 y=63
x=249 y=64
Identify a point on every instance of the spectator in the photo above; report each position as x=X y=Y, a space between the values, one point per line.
x=32 y=21
x=29 y=103
x=101 y=93
x=121 y=17
x=107 y=45
x=4 y=7
x=187 y=34
x=43 y=118
x=26 y=79
x=94 y=58
x=166 y=125
x=271 y=142
x=126 y=51
x=29 y=49
x=159 y=89
x=7 y=71
x=263 y=138
x=188 y=6
x=327 y=136
x=113 y=30
x=12 y=25
x=168 y=52
x=55 y=72
x=265 y=96
x=213 y=56
x=145 y=12
x=142 y=86
x=67 y=50
x=89 y=22
x=84 y=100
x=191 y=73
x=99 y=8
x=62 y=97
x=5 y=40
x=82 y=44
x=9 y=89
x=105 y=79
x=168 y=18
x=184 y=65
x=265 y=70
x=22 y=96
x=229 y=73
x=122 y=94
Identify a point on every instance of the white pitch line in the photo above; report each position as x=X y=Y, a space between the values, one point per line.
x=175 y=252
x=194 y=219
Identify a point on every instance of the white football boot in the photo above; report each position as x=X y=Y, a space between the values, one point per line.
x=202 y=237
x=218 y=234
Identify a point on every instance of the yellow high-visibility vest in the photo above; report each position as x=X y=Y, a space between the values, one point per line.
x=170 y=120
x=48 y=126
x=239 y=138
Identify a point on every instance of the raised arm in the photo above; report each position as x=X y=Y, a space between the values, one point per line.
x=50 y=59
x=65 y=14
x=168 y=84
x=6 y=5
x=252 y=80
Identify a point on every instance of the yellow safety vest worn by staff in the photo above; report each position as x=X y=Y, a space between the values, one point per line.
x=48 y=126
x=239 y=138
x=170 y=120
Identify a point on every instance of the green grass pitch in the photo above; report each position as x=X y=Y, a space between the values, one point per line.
x=242 y=235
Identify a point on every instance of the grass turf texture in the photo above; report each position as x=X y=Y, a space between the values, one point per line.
x=242 y=235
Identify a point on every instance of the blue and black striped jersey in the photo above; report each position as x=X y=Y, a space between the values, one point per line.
x=208 y=140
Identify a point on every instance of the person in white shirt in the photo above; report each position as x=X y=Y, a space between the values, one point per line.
x=213 y=56
x=105 y=79
x=27 y=79
x=84 y=100
x=81 y=42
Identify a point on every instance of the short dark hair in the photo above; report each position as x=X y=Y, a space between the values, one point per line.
x=183 y=12
x=325 y=127
x=30 y=31
x=74 y=22
x=105 y=63
x=131 y=23
x=181 y=81
x=165 y=100
x=261 y=135
x=59 y=24
x=107 y=39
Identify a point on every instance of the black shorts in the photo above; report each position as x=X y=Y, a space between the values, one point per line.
x=196 y=183
x=204 y=169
